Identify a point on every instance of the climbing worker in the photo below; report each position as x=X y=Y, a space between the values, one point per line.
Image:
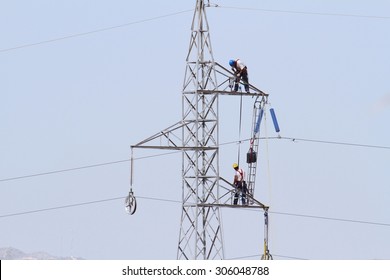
x=240 y=184
x=240 y=72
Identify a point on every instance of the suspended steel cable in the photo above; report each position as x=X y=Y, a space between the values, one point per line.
x=63 y=170
x=323 y=218
x=59 y=207
x=293 y=139
x=296 y=139
x=305 y=13
x=288 y=257
x=181 y=12
x=179 y=202
x=93 y=31
x=82 y=204
x=82 y=167
x=331 y=219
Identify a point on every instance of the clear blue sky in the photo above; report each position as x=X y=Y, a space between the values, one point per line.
x=73 y=97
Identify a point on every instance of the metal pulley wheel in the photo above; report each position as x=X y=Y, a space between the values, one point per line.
x=130 y=203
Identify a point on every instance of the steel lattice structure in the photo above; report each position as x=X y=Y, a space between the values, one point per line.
x=200 y=225
x=204 y=192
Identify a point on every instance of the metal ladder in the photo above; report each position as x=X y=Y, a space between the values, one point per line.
x=258 y=111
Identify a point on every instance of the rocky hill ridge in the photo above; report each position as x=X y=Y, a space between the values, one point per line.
x=10 y=253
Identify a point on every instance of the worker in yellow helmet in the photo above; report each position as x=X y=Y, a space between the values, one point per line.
x=240 y=184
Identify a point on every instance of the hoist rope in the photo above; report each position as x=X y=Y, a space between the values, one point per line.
x=239 y=133
x=131 y=168
x=130 y=201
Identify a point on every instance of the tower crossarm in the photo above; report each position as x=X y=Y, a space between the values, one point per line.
x=226 y=197
x=227 y=92
x=171 y=134
x=228 y=78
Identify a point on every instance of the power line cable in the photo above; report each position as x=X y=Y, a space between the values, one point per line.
x=81 y=167
x=293 y=139
x=63 y=170
x=83 y=204
x=176 y=201
x=288 y=257
x=60 y=207
x=322 y=217
x=306 y=13
x=181 y=12
x=336 y=143
x=93 y=31
x=331 y=219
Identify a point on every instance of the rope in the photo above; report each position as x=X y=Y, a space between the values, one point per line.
x=239 y=133
x=131 y=168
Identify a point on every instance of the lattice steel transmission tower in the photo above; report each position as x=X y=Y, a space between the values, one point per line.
x=200 y=225
x=203 y=190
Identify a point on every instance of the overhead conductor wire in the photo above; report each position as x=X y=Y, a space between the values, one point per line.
x=93 y=31
x=293 y=139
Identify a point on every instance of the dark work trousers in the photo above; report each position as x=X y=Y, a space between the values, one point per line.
x=245 y=81
x=240 y=188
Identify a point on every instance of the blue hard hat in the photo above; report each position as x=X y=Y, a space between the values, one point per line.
x=231 y=62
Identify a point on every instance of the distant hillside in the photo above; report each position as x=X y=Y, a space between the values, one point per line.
x=10 y=253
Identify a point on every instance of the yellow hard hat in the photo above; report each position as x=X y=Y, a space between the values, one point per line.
x=235 y=165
